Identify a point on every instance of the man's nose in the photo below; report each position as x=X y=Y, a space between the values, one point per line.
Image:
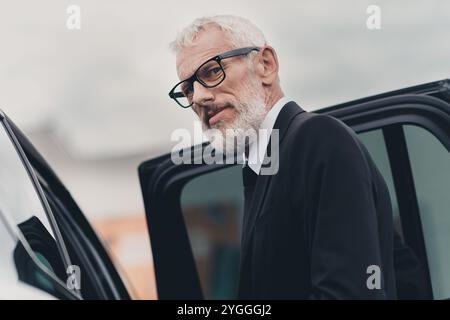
x=201 y=94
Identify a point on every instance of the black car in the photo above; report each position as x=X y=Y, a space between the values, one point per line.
x=49 y=250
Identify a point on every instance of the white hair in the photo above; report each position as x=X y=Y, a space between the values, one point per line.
x=241 y=32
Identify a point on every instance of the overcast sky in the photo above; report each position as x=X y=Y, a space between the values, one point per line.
x=94 y=101
x=102 y=90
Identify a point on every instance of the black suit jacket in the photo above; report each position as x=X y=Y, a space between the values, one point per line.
x=311 y=230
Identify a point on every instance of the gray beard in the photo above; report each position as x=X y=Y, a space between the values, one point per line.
x=239 y=134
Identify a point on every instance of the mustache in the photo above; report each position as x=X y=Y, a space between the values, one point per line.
x=215 y=106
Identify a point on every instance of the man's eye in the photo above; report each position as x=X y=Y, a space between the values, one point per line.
x=187 y=89
x=215 y=71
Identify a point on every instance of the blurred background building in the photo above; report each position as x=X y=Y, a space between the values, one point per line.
x=94 y=101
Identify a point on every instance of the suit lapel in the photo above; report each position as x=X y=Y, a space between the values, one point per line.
x=287 y=113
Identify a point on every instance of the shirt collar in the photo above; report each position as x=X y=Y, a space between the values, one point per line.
x=257 y=150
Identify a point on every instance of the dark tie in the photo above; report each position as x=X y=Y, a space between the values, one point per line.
x=248 y=176
x=249 y=180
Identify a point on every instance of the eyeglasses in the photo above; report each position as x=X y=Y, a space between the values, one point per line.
x=210 y=74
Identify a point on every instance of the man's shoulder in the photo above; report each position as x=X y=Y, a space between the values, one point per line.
x=325 y=134
x=320 y=124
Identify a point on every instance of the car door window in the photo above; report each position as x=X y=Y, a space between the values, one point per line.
x=12 y=268
x=38 y=257
x=430 y=163
x=376 y=145
x=212 y=206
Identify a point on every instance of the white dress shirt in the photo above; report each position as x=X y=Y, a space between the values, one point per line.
x=257 y=150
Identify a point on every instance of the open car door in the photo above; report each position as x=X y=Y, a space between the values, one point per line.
x=194 y=211
x=71 y=246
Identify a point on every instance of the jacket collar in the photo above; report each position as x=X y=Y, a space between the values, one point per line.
x=286 y=115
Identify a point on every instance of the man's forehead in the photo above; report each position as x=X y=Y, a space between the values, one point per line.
x=209 y=43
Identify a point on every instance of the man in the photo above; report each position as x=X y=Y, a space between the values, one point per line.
x=320 y=227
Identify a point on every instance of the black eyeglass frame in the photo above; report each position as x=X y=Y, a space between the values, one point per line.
x=218 y=59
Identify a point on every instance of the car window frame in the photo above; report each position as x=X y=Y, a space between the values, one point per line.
x=62 y=289
x=112 y=283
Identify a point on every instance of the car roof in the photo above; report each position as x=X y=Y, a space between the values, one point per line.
x=439 y=89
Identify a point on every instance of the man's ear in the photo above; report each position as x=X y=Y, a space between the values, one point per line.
x=267 y=67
